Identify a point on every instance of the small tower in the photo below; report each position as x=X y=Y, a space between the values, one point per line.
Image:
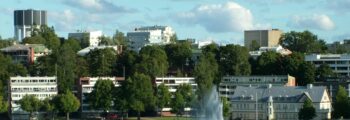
x=270 y=111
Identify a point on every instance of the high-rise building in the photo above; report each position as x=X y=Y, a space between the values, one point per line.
x=264 y=38
x=25 y=21
x=339 y=63
x=149 y=35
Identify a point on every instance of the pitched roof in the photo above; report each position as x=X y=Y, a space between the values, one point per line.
x=279 y=93
x=36 y=47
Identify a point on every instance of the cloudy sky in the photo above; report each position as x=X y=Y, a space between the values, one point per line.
x=221 y=20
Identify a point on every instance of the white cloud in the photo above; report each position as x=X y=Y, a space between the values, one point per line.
x=98 y=6
x=65 y=20
x=316 y=21
x=228 y=17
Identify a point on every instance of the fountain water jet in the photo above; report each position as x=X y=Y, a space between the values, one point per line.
x=212 y=107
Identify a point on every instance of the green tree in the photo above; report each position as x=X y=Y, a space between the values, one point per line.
x=37 y=39
x=305 y=42
x=254 y=45
x=341 y=104
x=324 y=71
x=308 y=111
x=3 y=105
x=119 y=38
x=102 y=62
x=163 y=97
x=187 y=93
x=179 y=55
x=121 y=97
x=173 y=38
x=205 y=73
x=67 y=103
x=47 y=106
x=51 y=39
x=269 y=63
x=66 y=70
x=101 y=96
x=6 y=42
x=306 y=73
x=153 y=61
x=74 y=44
x=234 y=60
x=225 y=107
x=178 y=104
x=127 y=61
x=141 y=93
x=30 y=104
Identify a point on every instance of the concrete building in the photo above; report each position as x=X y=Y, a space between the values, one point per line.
x=279 y=102
x=41 y=87
x=86 y=86
x=149 y=35
x=118 y=49
x=92 y=37
x=25 y=21
x=27 y=53
x=333 y=83
x=173 y=83
x=265 y=38
x=340 y=63
x=228 y=85
x=278 y=49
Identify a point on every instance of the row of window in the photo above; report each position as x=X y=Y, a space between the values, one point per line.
x=36 y=95
x=33 y=81
x=257 y=80
x=33 y=89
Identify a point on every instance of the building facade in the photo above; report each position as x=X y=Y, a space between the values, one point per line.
x=25 y=21
x=278 y=49
x=86 y=86
x=41 y=87
x=25 y=54
x=228 y=85
x=149 y=35
x=333 y=83
x=92 y=37
x=265 y=38
x=173 y=83
x=339 y=63
x=279 y=102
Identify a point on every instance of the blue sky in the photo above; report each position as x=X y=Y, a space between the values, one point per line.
x=220 y=20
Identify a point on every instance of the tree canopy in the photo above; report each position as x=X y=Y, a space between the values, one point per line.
x=234 y=60
x=101 y=96
x=205 y=73
x=30 y=104
x=308 y=111
x=341 y=105
x=67 y=103
x=153 y=61
x=305 y=42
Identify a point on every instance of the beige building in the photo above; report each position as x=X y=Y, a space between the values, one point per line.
x=265 y=38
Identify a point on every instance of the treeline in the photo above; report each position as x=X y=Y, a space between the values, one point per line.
x=137 y=92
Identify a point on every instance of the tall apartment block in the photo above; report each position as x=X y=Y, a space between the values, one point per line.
x=25 y=21
x=265 y=38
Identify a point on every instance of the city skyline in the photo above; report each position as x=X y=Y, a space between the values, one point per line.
x=220 y=20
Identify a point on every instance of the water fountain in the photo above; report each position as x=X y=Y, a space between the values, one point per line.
x=212 y=108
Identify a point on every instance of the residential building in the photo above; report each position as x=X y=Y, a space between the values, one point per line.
x=333 y=83
x=41 y=87
x=86 y=86
x=149 y=35
x=27 y=53
x=25 y=21
x=228 y=85
x=264 y=38
x=92 y=37
x=278 y=49
x=118 y=49
x=173 y=83
x=339 y=63
x=279 y=102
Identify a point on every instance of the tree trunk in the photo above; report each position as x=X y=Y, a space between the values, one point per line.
x=67 y=116
x=138 y=115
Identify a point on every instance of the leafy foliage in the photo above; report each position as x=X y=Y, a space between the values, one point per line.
x=30 y=104
x=153 y=61
x=102 y=62
x=234 y=60
x=305 y=42
x=341 y=105
x=308 y=111
x=324 y=71
x=163 y=96
x=67 y=103
x=101 y=96
x=205 y=73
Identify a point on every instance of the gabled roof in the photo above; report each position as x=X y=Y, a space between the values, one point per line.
x=279 y=93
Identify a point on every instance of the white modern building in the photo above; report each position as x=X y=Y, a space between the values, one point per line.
x=118 y=49
x=93 y=37
x=41 y=87
x=340 y=63
x=228 y=84
x=86 y=86
x=25 y=21
x=278 y=49
x=173 y=83
x=149 y=35
x=279 y=102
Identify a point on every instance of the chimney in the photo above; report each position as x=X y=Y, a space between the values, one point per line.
x=309 y=86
